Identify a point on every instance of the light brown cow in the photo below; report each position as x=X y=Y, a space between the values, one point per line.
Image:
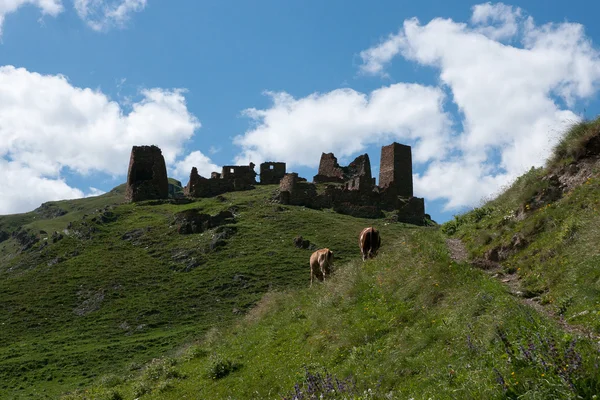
x=321 y=263
x=369 y=242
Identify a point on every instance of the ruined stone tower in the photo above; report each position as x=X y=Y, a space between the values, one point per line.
x=395 y=169
x=147 y=175
x=329 y=170
x=271 y=172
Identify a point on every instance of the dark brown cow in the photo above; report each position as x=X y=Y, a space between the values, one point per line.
x=369 y=242
x=321 y=262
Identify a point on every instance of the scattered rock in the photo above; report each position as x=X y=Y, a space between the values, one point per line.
x=4 y=236
x=25 y=238
x=108 y=216
x=50 y=210
x=519 y=241
x=56 y=236
x=192 y=221
x=185 y=260
x=91 y=301
x=55 y=261
x=134 y=235
x=302 y=243
x=221 y=235
x=492 y=255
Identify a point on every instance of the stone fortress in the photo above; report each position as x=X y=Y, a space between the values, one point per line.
x=347 y=190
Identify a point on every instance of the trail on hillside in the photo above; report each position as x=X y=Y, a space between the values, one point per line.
x=459 y=253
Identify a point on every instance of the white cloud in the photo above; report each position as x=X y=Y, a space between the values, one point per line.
x=496 y=21
x=375 y=58
x=46 y=125
x=507 y=94
x=103 y=14
x=345 y=121
x=196 y=159
x=23 y=189
x=95 y=192
x=47 y=7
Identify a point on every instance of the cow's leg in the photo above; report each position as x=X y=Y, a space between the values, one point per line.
x=311 y=275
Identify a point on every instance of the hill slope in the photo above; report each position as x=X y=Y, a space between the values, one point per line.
x=515 y=316
x=92 y=285
x=511 y=310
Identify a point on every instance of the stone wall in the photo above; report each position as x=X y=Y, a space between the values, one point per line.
x=329 y=170
x=147 y=175
x=244 y=173
x=293 y=190
x=198 y=186
x=352 y=189
x=395 y=169
x=271 y=172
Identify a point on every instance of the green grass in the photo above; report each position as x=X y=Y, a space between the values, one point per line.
x=557 y=262
x=128 y=308
x=572 y=145
x=409 y=324
x=94 y=302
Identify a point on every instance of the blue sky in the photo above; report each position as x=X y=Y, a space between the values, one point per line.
x=86 y=79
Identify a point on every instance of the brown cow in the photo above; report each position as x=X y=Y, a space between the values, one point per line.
x=369 y=242
x=321 y=262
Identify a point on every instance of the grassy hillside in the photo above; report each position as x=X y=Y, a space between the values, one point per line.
x=410 y=324
x=125 y=307
x=544 y=229
x=118 y=285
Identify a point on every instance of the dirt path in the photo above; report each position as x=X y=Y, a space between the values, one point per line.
x=459 y=253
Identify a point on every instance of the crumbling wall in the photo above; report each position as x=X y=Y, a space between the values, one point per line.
x=245 y=174
x=293 y=190
x=147 y=175
x=395 y=169
x=358 y=195
x=271 y=172
x=232 y=178
x=198 y=186
x=411 y=210
x=329 y=170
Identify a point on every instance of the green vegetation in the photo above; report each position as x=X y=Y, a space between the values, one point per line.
x=549 y=238
x=122 y=286
x=124 y=307
x=411 y=323
x=575 y=142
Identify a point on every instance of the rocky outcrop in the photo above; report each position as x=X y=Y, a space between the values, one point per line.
x=193 y=221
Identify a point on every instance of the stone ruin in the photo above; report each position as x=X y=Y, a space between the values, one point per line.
x=147 y=175
x=271 y=173
x=352 y=190
x=231 y=178
x=348 y=189
x=395 y=169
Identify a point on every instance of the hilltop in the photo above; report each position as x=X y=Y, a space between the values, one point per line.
x=130 y=305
